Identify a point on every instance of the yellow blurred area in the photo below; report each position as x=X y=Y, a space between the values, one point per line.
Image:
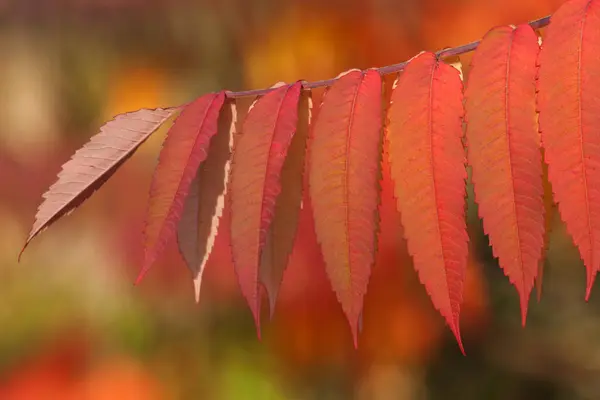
x=300 y=44
x=133 y=87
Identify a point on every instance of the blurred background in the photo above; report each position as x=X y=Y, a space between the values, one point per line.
x=73 y=326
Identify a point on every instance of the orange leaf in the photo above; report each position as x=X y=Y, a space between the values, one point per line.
x=282 y=233
x=92 y=165
x=344 y=171
x=504 y=151
x=204 y=204
x=184 y=150
x=569 y=108
x=258 y=159
x=428 y=168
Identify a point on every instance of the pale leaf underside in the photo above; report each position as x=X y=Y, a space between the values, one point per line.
x=184 y=150
x=258 y=159
x=198 y=227
x=91 y=166
x=282 y=232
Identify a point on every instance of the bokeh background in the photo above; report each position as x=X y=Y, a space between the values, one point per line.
x=73 y=326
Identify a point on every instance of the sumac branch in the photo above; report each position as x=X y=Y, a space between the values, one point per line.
x=331 y=154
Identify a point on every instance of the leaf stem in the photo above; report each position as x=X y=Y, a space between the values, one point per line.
x=390 y=69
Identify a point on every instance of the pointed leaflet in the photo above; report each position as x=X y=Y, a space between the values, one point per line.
x=428 y=168
x=344 y=165
x=282 y=232
x=257 y=163
x=183 y=151
x=92 y=165
x=569 y=107
x=503 y=149
x=204 y=204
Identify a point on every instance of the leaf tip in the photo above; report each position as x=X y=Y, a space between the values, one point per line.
x=455 y=328
x=255 y=310
x=524 y=304
x=141 y=275
x=22 y=251
x=355 y=336
x=591 y=276
x=148 y=261
x=257 y=323
x=34 y=232
x=356 y=329
x=197 y=283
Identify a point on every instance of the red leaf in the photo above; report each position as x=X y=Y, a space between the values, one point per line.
x=283 y=229
x=428 y=168
x=204 y=204
x=569 y=118
x=184 y=150
x=258 y=158
x=344 y=170
x=92 y=165
x=504 y=152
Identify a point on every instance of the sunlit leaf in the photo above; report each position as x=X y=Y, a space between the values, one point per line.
x=504 y=151
x=569 y=107
x=184 y=150
x=344 y=170
x=428 y=168
x=204 y=204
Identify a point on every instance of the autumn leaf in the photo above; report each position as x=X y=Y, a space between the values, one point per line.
x=184 y=150
x=428 y=168
x=91 y=166
x=204 y=204
x=504 y=151
x=256 y=173
x=344 y=169
x=282 y=233
x=569 y=118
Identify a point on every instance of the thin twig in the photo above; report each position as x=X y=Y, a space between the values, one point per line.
x=390 y=69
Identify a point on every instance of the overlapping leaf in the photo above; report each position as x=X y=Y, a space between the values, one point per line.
x=428 y=168
x=204 y=204
x=569 y=118
x=92 y=165
x=344 y=168
x=504 y=151
x=282 y=232
x=257 y=164
x=183 y=152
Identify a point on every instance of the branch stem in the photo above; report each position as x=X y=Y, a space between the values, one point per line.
x=390 y=69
